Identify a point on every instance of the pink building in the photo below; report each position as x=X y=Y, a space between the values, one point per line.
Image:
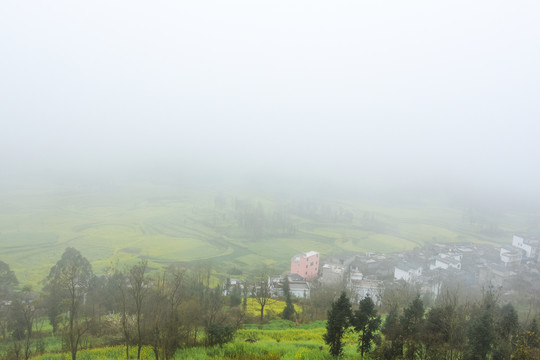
x=306 y=265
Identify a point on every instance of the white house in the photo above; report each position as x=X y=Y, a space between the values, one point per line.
x=445 y=262
x=366 y=287
x=407 y=272
x=300 y=289
x=355 y=274
x=528 y=246
x=510 y=256
x=451 y=255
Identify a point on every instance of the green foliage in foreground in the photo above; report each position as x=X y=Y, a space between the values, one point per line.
x=237 y=350
x=279 y=339
x=271 y=344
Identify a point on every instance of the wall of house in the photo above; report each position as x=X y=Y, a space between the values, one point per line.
x=400 y=274
x=300 y=290
x=305 y=266
x=519 y=242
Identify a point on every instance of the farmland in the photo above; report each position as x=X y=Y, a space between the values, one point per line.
x=280 y=339
x=165 y=225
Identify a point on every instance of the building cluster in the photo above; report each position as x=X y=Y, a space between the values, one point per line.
x=513 y=267
x=510 y=266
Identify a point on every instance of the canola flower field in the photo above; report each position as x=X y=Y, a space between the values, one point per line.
x=278 y=339
x=272 y=309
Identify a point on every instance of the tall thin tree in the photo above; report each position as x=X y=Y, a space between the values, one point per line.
x=70 y=279
x=288 y=311
x=138 y=285
x=366 y=323
x=338 y=321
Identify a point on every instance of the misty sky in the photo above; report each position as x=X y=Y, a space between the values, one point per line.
x=395 y=90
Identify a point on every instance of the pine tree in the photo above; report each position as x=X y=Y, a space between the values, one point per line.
x=481 y=335
x=393 y=334
x=289 y=310
x=411 y=323
x=366 y=322
x=508 y=324
x=507 y=328
x=338 y=321
x=236 y=296
x=481 y=332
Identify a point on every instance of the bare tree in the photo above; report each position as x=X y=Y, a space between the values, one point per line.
x=138 y=285
x=398 y=294
x=70 y=279
x=23 y=316
x=119 y=284
x=321 y=299
x=163 y=319
x=261 y=290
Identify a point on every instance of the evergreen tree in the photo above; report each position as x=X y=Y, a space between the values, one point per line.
x=507 y=328
x=393 y=346
x=245 y=291
x=481 y=332
x=481 y=335
x=366 y=322
x=508 y=324
x=443 y=333
x=236 y=296
x=289 y=310
x=435 y=335
x=338 y=321
x=411 y=323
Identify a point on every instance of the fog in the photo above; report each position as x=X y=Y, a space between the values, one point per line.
x=308 y=94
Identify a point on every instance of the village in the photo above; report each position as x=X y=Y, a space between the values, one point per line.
x=512 y=268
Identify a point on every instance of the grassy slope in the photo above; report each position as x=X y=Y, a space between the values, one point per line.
x=277 y=340
x=167 y=226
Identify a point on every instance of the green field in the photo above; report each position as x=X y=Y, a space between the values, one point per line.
x=280 y=339
x=168 y=225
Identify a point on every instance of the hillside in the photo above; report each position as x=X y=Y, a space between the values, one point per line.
x=166 y=225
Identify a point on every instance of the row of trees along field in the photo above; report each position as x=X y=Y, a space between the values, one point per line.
x=177 y=308
x=450 y=329
x=165 y=311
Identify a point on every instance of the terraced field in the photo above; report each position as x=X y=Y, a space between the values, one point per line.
x=232 y=230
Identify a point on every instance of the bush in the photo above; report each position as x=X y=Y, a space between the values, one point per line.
x=219 y=334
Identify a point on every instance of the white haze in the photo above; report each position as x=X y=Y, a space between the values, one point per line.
x=399 y=93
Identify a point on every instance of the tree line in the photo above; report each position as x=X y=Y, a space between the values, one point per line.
x=175 y=308
x=450 y=329
x=171 y=309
